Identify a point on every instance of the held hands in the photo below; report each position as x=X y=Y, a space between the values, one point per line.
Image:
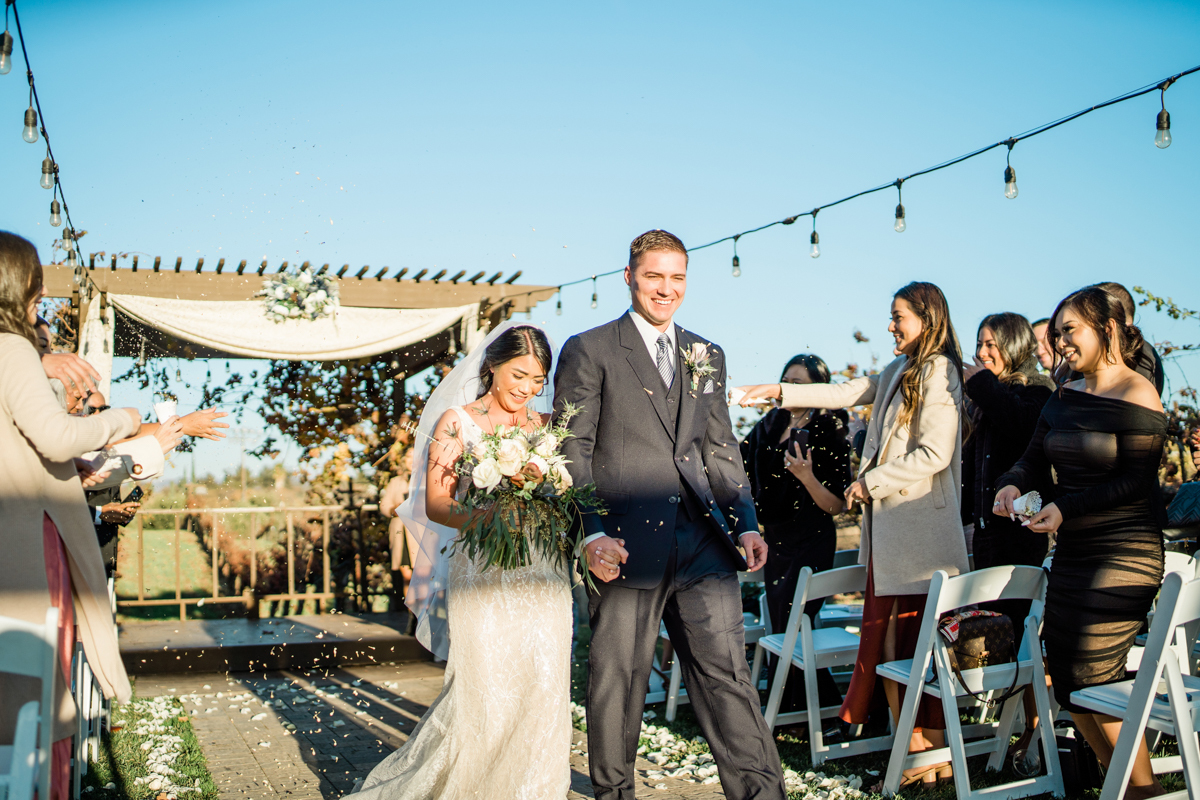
x=88 y=476
x=756 y=550
x=1004 y=500
x=201 y=424
x=605 y=557
x=1045 y=521
x=971 y=370
x=78 y=376
x=764 y=391
x=169 y=433
x=857 y=493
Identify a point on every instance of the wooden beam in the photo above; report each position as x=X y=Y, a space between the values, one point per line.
x=419 y=275
x=403 y=271
x=178 y=262
x=91 y=261
x=305 y=265
x=157 y=262
x=474 y=280
x=282 y=268
x=437 y=277
x=135 y=260
x=342 y=271
x=458 y=277
x=114 y=263
x=242 y=267
x=362 y=271
x=220 y=266
x=381 y=273
x=494 y=278
x=356 y=294
x=324 y=268
x=262 y=267
x=513 y=277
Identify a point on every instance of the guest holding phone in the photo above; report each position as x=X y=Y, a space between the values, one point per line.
x=909 y=483
x=1103 y=436
x=798 y=463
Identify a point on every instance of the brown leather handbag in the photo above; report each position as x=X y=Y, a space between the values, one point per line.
x=976 y=639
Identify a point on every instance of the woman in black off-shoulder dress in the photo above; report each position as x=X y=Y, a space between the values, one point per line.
x=1105 y=445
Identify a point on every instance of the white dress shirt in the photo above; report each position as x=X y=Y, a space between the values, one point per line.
x=650 y=335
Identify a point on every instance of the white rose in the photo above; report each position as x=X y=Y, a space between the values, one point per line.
x=511 y=456
x=541 y=464
x=319 y=294
x=562 y=478
x=480 y=451
x=305 y=278
x=279 y=309
x=547 y=445
x=486 y=474
x=280 y=292
x=293 y=312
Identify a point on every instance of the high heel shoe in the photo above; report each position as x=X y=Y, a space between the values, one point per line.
x=926 y=777
x=945 y=774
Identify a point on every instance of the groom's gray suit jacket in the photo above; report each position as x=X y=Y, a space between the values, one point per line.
x=640 y=454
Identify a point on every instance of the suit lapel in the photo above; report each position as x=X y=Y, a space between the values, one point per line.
x=645 y=370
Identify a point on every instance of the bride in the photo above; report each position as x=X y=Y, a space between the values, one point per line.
x=502 y=723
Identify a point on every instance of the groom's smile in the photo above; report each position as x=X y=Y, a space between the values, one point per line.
x=657 y=283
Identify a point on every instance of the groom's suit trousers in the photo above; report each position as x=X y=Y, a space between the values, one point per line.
x=700 y=602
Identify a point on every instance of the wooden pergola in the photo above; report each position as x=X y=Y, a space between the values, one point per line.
x=499 y=297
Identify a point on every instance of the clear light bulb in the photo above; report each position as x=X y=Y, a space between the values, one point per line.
x=595 y=301
x=47 y=173
x=75 y=277
x=6 y=45
x=815 y=250
x=737 y=267
x=1162 y=139
x=558 y=307
x=71 y=260
x=55 y=213
x=1010 y=183
x=529 y=315
x=900 y=225
x=30 y=134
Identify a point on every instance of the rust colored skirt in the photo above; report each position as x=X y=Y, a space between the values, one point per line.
x=58 y=576
x=865 y=694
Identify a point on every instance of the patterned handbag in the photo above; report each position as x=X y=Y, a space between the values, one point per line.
x=976 y=639
x=1185 y=508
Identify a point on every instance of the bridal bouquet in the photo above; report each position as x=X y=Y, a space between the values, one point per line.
x=299 y=295
x=517 y=481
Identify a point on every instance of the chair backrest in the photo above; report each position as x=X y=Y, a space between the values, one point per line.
x=32 y=650
x=23 y=766
x=817 y=586
x=1179 y=562
x=995 y=583
x=845 y=558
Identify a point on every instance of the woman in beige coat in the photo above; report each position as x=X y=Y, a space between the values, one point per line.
x=910 y=486
x=51 y=556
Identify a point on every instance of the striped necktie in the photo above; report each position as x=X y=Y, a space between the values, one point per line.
x=666 y=364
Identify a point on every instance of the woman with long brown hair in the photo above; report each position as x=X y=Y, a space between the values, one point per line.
x=51 y=556
x=1103 y=436
x=909 y=485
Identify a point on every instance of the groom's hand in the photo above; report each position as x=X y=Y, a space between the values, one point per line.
x=756 y=550
x=605 y=557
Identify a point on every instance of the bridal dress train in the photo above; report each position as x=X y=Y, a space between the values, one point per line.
x=501 y=728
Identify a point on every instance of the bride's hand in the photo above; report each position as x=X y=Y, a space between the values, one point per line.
x=605 y=557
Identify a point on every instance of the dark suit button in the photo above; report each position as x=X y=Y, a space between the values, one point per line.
x=673 y=500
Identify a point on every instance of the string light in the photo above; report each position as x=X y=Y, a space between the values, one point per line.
x=6 y=45
x=1010 y=174
x=558 y=306
x=814 y=240
x=47 y=181
x=30 y=133
x=55 y=213
x=595 y=295
x=737 y=264
x=1162 y=138
x=900 y=225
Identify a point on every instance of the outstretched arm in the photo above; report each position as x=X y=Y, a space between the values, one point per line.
x=444 y=451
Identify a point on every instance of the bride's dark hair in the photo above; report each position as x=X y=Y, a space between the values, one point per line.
x=517 y=341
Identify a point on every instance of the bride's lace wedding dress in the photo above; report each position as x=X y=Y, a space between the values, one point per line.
x=501 y=728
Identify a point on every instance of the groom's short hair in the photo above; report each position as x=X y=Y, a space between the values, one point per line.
x=654 y=240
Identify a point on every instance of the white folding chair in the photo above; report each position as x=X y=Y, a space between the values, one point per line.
x=810 y=650
x=841 y=615
x=755 y=625
x=31 y=650
x=18 y=761
x=88 y=719
x=947 y=594
x=1142 y=704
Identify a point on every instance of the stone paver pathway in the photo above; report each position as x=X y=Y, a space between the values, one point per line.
x=309 y=735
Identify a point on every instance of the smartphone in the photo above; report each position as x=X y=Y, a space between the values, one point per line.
x=135 y=496
x=798 y=442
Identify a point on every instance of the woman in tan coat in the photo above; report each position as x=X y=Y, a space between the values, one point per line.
x=910 y=486
x=51 y=556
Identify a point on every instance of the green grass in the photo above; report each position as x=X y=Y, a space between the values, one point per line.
x=123 y=759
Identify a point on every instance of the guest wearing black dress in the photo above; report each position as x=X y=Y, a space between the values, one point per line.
x=1005 y=396
x=1146 y=361
x=796 y=495
x=1103 y=435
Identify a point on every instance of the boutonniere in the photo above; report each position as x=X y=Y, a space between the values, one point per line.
x=699 y=362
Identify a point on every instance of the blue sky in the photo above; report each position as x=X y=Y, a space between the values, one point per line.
x=544 y=137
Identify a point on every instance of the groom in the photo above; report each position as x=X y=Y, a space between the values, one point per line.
x=653 y=434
